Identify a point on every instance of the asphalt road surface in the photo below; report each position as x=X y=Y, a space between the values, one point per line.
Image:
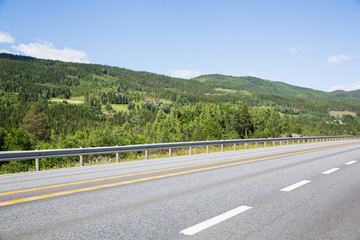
x=305 y=191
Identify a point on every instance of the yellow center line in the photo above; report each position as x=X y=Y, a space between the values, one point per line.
x=154 y=171
x=169 y=175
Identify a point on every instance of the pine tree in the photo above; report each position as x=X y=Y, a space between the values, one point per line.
x=35 y=122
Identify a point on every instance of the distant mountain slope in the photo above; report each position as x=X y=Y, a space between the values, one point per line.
x=261 y=86
x=33 y=78
x=19 y=70
x=266 y=89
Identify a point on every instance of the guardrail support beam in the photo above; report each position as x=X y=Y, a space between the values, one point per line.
x=170 y=152
x=37 y=163
x=146 y=155
x=81 y=160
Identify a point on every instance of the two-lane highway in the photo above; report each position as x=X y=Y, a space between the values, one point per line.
x=306 y=191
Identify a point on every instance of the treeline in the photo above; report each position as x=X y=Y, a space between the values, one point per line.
x=62 y=125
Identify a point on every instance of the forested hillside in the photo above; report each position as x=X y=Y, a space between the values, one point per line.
x=51 y=104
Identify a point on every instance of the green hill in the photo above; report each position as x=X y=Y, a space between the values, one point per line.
x=281 y=94
x=33 y=78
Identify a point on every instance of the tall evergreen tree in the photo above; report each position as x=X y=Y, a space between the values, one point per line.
x=35 y=122
x=245 y=119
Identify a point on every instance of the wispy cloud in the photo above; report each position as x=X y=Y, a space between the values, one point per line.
x=6 y=38
x=340 y=58
x=184 y=73
x=7 y=51
x=293 y=49
x=350 y=87
x=47 y=50
x=298 y=49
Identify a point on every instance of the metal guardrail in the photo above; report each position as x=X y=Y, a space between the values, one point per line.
x=50 y=153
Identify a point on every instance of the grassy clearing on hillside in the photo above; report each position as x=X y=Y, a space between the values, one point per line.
x=225 y=90
x=165 y=101
x=75 y=100
x=119 y=107
x=341 y=113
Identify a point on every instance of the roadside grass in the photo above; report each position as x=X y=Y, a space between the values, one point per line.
x=176 y=152
x=68 y=162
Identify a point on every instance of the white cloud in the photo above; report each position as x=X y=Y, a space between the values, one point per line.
x=184 y=73
x=351 y=87
x=293 y=49
x=6 y=38
x=340 y=58
x=7 y=51
x=255 y=75
x=298 y=49
x=47 y=50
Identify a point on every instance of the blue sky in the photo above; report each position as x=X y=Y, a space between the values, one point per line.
x=308 y=43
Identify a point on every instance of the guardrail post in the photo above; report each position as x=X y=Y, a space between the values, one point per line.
x=234 y=146
x=81 y=160
x=37 y=163
x=117 y=156
x=293 y=142
x=207 y=149
x=146 y=155
x=190 y=150
x=264 y=144
x=287 y=142
x=222 y=147
x=256 y=145
x=246 y=145
x=273 y=143
x=170 y=152
x=280 y=143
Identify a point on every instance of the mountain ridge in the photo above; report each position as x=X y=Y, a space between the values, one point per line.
x=65 y=79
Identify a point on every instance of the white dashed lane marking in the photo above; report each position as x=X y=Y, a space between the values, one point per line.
x=296 y=185
x=351 y=162
x=215 y=220
x=330 y=171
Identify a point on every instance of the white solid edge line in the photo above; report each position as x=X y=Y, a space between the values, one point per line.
x=330 y=171
x=296 y=185
x=351 y=162
x=215 y=220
